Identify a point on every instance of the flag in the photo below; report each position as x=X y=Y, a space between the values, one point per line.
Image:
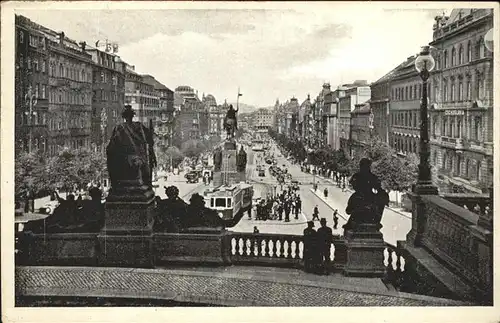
x=239 y=94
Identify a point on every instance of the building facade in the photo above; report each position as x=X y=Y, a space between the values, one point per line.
x=264 y=119
x=355 y=93
x=31 y=87
x=380 y=105
x=361 y=127
x=108 y=94
x=404 y=114
x=461 y=114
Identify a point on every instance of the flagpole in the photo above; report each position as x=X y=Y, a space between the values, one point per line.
x=238 y=99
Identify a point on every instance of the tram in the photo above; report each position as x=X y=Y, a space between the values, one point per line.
x=230 y=202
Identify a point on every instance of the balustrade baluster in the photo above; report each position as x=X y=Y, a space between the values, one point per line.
x=245 y=247
x=389 y=258
x=274 y=240
x=297 y=249
x=267 y=248
x=233 y=246
x=240 y=246
x=289 y=250
x=259 y=246
x=282 y=248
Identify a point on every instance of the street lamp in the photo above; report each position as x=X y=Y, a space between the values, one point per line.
x=424 y=64
x=31 y=101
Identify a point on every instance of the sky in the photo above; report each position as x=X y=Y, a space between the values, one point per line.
x=268 y=53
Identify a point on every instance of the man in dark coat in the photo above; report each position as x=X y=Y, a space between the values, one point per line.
x=310 y=247
x=325 y=237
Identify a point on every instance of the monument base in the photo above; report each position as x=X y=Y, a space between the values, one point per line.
x=365 y=251
x=127 y=237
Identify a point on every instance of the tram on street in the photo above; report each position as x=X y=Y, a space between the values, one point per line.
x=230 y=202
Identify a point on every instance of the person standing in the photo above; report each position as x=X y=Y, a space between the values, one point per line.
x=335 y=219
x=287 y=211
x=315 y=213
x=325 y=238
x=309 y=247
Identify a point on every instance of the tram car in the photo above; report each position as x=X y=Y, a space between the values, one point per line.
x=230 y=202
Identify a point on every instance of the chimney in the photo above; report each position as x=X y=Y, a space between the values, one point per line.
x=61 y=38
x=83 y=45
x=308 y=96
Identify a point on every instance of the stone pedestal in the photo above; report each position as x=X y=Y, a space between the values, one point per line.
x=228 y=175
x=126 y=239
x=365 y=251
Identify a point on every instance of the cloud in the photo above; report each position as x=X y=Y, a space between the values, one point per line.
x=268 y=53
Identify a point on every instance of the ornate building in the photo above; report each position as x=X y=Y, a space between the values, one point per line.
x=461 y=114
x=53 y=90
x=108 y=94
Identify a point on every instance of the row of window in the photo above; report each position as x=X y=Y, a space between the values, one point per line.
x=40 y=143
x=450 y=58
x=71 y=72
x=37 y=64
x=460 y=166
x=460 y=89
x=141 y=100
x=410 y=92
x=406 y=144
x=105 y=77
x=406 y=119
x=101 y=95
x=60 y=96
x=34 y=40
x=453 y=127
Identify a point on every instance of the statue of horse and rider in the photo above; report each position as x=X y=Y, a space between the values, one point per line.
x=230 y=122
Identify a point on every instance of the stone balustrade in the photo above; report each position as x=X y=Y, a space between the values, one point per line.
x=476 y=203
x=395 y=267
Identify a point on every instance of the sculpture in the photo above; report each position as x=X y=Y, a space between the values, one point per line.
x=241 y=160
x=130 y=153
x=201 y=216
x=230 y=122
x=217 y=159
x=365 y=206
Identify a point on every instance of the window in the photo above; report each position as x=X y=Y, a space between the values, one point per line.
x=468 y=89
x=461 y=55
x=477 y=128
x=61 y=70
x=469 y=51
x=44 y=89
x=459 y=128
x=28 y=62
x=481 y=47
x=21 y=36
x=415 y=92
x=445 y=91
x=21 y=60
x=452 y=96
x=450 y=128
x=445 y=59
x=453 y=57
x=44 y=67
x=35 y=64
x=460 y=85
x=37 y=87
x=445 y=125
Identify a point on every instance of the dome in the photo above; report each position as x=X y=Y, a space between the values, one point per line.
x=210 y=100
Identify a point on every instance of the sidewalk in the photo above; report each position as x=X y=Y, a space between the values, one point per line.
x=392 y=208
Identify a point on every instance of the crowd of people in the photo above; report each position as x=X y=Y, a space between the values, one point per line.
x=283 y=205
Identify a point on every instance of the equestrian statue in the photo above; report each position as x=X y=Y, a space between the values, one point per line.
x=230 y=122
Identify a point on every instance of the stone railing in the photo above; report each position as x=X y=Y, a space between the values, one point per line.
x=395 y=264
x=448 y=236
x=476 y=203
x=278 y=250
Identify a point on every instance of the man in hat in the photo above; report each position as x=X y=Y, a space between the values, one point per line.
x=325 y=238
x=309 y=247
x=130 y=153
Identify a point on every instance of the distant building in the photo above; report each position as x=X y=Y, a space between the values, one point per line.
x=361 y=127
x=263 y=119
x=355 y=93
x=141 y=95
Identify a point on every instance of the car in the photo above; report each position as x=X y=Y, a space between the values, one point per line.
x=49 y=207
x=192 y=177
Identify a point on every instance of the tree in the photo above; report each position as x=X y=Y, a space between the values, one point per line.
x=192 y=148
x=171 y=154
x=29 y=173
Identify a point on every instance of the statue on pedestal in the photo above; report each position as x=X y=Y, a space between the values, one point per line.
x=367 y=203
x=230 y=122
x=130 y=153
x=217 y=159
x=241 y=163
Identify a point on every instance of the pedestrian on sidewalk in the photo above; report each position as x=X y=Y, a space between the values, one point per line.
x=325 y=192
x=325 y=238
x=335 y=219
x=287 y=211
x=315 y=213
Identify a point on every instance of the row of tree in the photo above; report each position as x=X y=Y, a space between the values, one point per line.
x=396 y=172
x=69 y=169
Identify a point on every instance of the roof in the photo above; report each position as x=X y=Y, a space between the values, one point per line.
x=409 y=61
x=457 y=14
x=149 y=79
x=362 y=108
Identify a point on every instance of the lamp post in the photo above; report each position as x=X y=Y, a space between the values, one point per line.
x=31 y=101
x=424 y=64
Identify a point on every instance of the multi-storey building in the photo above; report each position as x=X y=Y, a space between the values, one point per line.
x=406 y=94
x=361 y=127
x=108 y=94
x=332 y=100
x=321 y=115
x=163 y=124
x=264 y=119
x=303 y=130
x=31 y=87
x=216 y=116
x=355 y=93
x=380 y=105
x=461 y=114
x=143 y=98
